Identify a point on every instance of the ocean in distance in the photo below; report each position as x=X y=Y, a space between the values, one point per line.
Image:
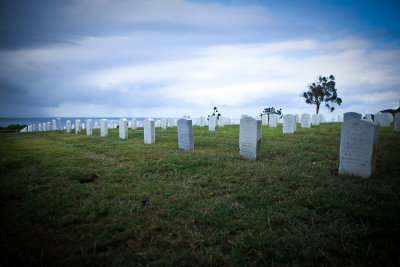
x=4 y=122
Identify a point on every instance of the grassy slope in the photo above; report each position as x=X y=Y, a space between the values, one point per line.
x=208 y=205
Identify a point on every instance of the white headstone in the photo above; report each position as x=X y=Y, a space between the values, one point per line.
x=103 y=127
x=185 y=134
x=202 y=121
x=264 y=119
x=123 y=129
x=96 y=125
x=54 y=125
x=358 y=148
x=250 y=137
x=386 y=119
x=39 y=127
x=77 y=126
x=134 y=124
x=149 y=131
x=273 y=120
x=48 y=126
x=68 y=126
x=351 y=116
x=89 y=127
x=212 y=123
x=305 y=120
x=397 y=121
x=315 y=119
x=164 y=123
x=289 y=124
x=340 y=118
x=82 y=125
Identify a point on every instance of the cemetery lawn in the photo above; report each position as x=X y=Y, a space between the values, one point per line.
x=76 y=200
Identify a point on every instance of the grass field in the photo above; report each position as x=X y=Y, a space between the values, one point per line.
x=76 y=200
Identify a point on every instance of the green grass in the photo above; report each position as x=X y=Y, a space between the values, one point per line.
x=74 y=200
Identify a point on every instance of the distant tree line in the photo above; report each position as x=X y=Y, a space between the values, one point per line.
x=14 y=127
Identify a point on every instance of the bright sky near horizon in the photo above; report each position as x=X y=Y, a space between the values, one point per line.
x=154 y=58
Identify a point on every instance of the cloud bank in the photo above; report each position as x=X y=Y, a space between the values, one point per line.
x=169 y=58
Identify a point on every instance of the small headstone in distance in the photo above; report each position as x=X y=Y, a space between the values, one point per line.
x=351 y=116
x=358 y=148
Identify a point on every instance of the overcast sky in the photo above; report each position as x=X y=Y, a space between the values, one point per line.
x=154 y=58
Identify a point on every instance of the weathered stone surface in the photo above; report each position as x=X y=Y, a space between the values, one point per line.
x=89 y=127
x=250 y=137
x=185 y=134
x=351 y=116
x=358 y=148
x=103 y=127
x=149 y=131
x=289 y=124
x=305 y=120
x=123 y=129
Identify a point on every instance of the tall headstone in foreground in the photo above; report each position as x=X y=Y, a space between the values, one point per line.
x=397 y=121
x=212 y=123
x=149 y=131
x=123 y=129
x=386 y=119
x=77 y=126
x=305 y=120
x=59 y=124
x=358 y=148
x=103 y=127
x=289 y=124
x=351 y=116
x=89 y=127
x=68 y=125
x=315 y=119
x=185 y=134
x=273 y=120
x=250 y=137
